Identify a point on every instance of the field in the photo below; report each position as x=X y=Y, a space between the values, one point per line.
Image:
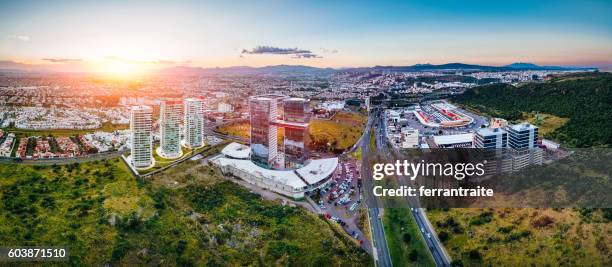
x=239 y=129
x=336 y=134
x=523 y=237
x=186 y=216
x=547 y=123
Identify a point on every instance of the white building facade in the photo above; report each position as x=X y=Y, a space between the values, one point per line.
x=170 y=139
x=194 y=122
x=141 y=138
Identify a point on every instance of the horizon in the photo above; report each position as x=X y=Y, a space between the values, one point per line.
x=141 y=37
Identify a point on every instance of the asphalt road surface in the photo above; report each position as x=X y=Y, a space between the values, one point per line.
x=381 y=250
x=436 y=248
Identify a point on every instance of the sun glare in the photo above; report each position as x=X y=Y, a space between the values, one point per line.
x=121 y=70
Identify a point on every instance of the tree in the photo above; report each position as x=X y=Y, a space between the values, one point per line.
x=406 y=237
x=413 y=255
x=443 y=236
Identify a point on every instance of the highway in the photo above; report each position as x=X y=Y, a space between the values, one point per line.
x=436 y=248
x=382 y=257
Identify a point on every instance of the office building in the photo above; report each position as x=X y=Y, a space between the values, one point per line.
x=295 y=124
x=491 y=138
x=140 y=126
x=522 y=136
x=264 y=143
x=170 y=140
x=268 y=113
x=193 y=122
x=494 y=142
x=522 y=141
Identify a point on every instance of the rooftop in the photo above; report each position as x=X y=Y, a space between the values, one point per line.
x=236 y=150
x=490 y=131
x=318 y=169
x=453 y=139
x=522 y=126
x=289 y=178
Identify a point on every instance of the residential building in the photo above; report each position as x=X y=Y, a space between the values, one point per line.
x=224 y=107
x=193 y=122
x=140 y=126
x=170 y=139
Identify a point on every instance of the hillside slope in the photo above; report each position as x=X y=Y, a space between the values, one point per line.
x=584 y=98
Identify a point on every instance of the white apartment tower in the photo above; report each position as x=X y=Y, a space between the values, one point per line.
x=140 y=126
x=169 y=117
x=194 y=122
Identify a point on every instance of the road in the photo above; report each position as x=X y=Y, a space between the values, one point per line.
x=436 y=248
x=381 y=253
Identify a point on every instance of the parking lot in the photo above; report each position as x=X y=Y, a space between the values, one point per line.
x=340 y=201
x=413 y=122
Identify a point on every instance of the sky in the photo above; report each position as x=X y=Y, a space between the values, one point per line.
x=123 y=35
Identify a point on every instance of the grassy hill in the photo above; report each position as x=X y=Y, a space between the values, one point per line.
x=188 y=216
x=524 y=237
x=583 y=98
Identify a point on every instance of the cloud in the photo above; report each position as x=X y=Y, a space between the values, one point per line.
x=306 y=56
x=270 y=50
x=63 y=60
x=329 y=51
x=23 y=38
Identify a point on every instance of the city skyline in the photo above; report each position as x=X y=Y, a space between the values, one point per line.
x=136 y=37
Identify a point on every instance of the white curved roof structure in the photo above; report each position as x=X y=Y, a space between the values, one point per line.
x=236 y=151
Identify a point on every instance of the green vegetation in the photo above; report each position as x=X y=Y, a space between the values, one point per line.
x=525 y=237
x=404 y=239
x=405 y=242
x=106 y=127
x=583 y=98
x=187 y=216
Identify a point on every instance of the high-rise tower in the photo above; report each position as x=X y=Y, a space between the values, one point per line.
x=140 y=126
x=193 y=122
x=169 y=117
x=264 y=146
x=295 y=123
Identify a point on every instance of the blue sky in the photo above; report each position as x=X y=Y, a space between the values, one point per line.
x=335 y=33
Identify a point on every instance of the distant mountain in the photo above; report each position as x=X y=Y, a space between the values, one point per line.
x=11 y=66
x=531 y=66
x=522 y=65
x=471 y=67
x=276 y=69
x=430 y=67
